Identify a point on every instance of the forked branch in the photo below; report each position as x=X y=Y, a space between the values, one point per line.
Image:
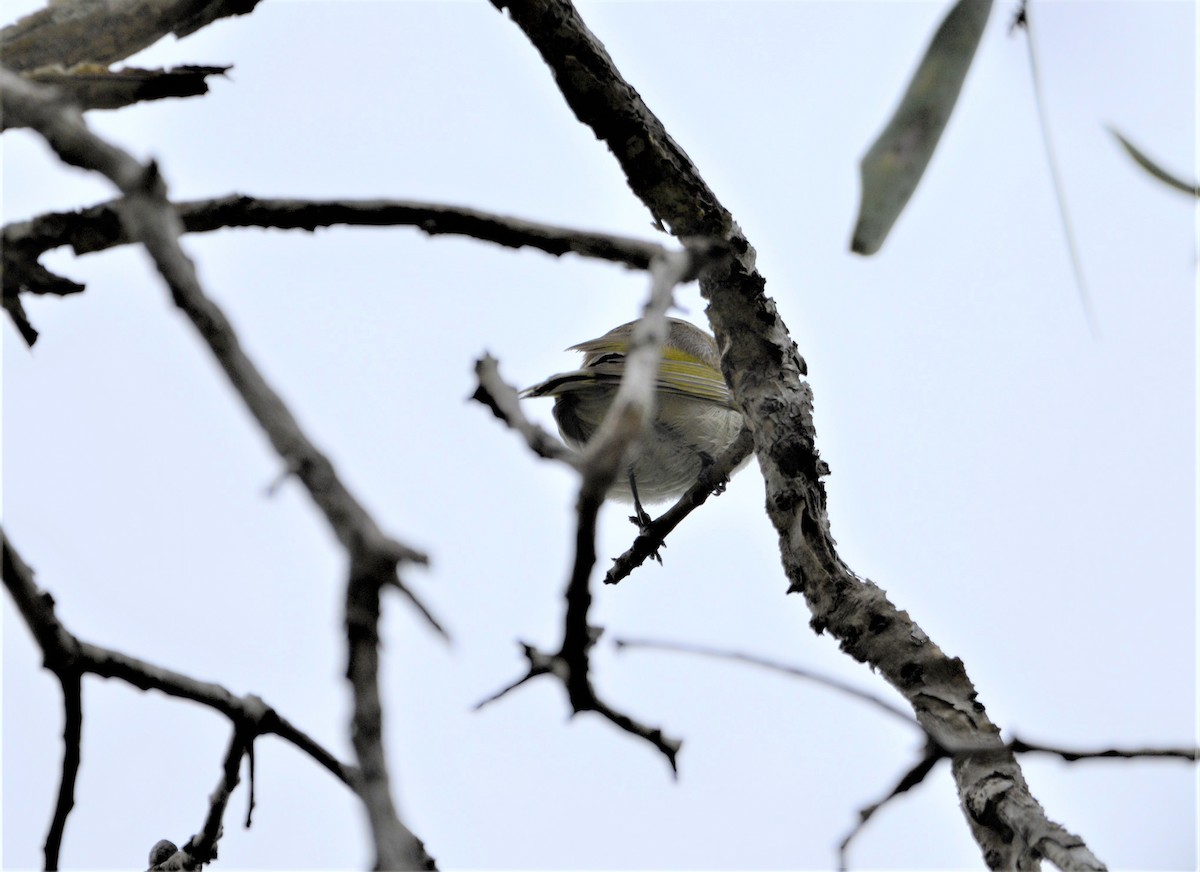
x=763 y=368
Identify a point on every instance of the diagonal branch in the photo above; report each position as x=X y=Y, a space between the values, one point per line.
x=933 y=753
x=764 y=369
x=147 y=216
x=599 y=463
x=504 y=401
x=202 y=847
x=374 y=557
x=653 y=536
x=69 y=659
x=774 y=666
x=71 y=32
x=910 y=779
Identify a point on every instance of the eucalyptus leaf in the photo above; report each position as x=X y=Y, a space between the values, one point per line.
x=1154 y=169
x=894 y=164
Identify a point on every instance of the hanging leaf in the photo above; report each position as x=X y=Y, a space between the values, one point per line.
x=894 y=164
x=1154 y=169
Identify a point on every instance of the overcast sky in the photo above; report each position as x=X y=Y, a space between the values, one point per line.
x=1024 y=489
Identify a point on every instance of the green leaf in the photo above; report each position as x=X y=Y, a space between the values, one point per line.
x=894 y=164
x=1154 y=169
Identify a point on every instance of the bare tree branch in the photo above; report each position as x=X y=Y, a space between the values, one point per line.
x=910 y=779
x=933 y=753
x=70 y=679
x=396 y=847
x=373 y=556
x=94 y=86
x=599 y=463
x=70 y=32
x=202 y=847
x=504 y=401
x=541 y=663
x=773 y=665
x=69 y=659
x=146 y=215
x=107 y=663
x=1072 y=755
x=763 y=369
x=98 y=228
x=653 y=536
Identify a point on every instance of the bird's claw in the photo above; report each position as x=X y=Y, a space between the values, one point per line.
x=643 y=521
x=715 y=486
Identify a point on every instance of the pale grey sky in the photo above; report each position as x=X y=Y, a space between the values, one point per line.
x=1025 y=490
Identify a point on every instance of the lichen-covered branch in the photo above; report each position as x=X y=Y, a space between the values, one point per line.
x=764 y=369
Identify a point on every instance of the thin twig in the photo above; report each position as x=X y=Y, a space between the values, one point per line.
x=934 y=752
x=203 y=845
x=1085 y=301
x=504 y=401
x=69 y=659
x=910 y=779
x=654 y=535
x=775 y=666
x=201 y=848
x=1020 y=746
x=70 y=679
x=539 y=664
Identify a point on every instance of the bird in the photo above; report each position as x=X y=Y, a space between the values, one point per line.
x=694 y=416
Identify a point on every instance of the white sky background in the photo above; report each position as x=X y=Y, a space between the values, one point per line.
x=1024 y=490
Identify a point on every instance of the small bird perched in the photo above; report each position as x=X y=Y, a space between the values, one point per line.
x=694 y=419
